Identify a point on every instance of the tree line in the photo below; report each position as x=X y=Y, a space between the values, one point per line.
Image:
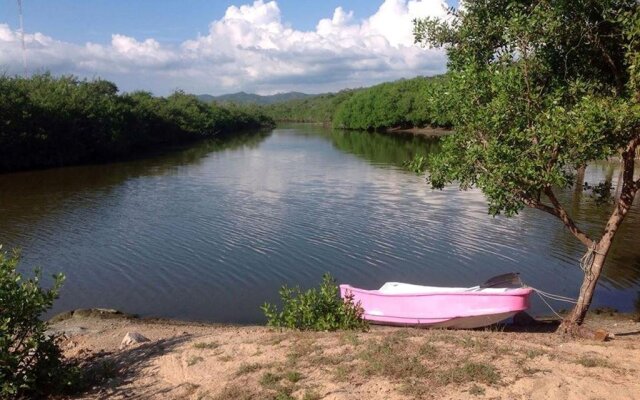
x=320 y=108
x=406 y=103
x=417 y=102
x=48 y=121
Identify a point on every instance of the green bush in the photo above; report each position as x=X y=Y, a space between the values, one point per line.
x=319 y=309
x=30 y=361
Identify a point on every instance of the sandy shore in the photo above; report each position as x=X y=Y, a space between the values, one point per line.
x=199 y=361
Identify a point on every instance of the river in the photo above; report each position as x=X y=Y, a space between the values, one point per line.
x=210 y=232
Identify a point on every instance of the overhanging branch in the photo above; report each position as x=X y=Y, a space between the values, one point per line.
x=559 y=212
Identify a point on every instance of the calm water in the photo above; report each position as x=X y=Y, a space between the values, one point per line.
x=211 y=232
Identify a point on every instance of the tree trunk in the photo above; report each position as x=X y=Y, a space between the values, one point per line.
x=601 y=248
x=576 y=317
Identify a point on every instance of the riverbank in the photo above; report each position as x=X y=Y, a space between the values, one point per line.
x=426 y=131
x=202 y=361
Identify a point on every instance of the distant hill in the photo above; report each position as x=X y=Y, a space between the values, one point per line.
x=250 y=98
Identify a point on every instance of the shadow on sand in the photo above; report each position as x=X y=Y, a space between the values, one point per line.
x=109 y=374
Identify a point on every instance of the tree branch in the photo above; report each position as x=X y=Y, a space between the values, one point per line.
x=628 y=192
x=558 y=211
x=608 y=60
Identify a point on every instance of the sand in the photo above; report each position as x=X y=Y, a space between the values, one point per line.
x=199 y=361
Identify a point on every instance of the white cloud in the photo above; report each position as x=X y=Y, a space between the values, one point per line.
x=251 y=49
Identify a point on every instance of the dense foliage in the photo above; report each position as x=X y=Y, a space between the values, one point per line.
x=319 y=309
x=320 y=108
x=540 y=88
x=406 y=103
x=47 y=121
x=30 y=360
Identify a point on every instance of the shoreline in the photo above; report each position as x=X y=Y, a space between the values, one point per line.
x=425 y=131
x=196 y=360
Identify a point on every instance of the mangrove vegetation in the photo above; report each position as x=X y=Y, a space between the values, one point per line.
x=51 y=121
x=406 y=103
x=540 y=90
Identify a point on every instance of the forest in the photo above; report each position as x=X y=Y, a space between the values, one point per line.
x=417 y=102
x=56 y=121
x=319 y=108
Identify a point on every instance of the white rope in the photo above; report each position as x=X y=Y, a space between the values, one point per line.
x=548 y=305
x=555 y=296
x=587 y=260
x=542 y=294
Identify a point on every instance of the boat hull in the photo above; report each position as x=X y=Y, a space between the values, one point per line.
x=449 y=308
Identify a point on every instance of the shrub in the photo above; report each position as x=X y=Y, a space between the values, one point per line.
x=30 y=360
x=319 y=309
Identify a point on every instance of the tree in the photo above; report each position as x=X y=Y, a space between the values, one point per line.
x=540 y=88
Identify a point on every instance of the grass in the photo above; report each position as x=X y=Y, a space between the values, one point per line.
x=206 y=345
x=476 y=390
x=270 y=380
x=293 y=376
x=389 y=357
x=533 y=353
x=468 y=371
x=311 y=395
x=193 y=360
x=248 y=368
x=274 y=382
x=592 y=362
x=341 y=373
x=418 y=362
x=284 y=396
x=235 y=392
x=274 y=340
x=350 y=337
x=302 y=348
x=428 y=350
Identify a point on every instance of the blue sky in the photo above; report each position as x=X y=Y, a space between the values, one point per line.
x=79 y=21
x=223 y=45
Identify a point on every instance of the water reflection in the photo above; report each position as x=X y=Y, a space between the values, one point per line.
x=29 y=197
x=378 y=148
x=211 y=232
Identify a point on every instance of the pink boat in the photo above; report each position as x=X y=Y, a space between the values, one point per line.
x=443 y=307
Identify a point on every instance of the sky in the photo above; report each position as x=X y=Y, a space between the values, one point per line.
x=222 y=46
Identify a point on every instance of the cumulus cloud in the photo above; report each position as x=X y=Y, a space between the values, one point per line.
x=250 y=48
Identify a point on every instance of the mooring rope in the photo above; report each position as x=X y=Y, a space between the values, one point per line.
x=587 y=260
x=542 y=294
x=556 y=297
x=548 y=305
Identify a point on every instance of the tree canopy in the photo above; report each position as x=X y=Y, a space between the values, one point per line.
x=414 y=102
x=47 y=121
x=540 y=88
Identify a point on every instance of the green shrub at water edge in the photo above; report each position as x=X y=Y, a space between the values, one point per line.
x=319 y=309
x=30 y=361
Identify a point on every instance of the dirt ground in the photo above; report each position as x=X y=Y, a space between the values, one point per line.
x=199 y=361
